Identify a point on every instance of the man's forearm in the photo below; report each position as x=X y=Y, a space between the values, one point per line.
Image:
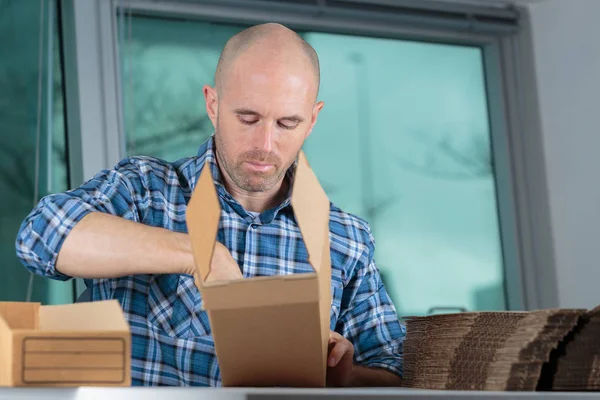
x=363 y=377
x=105 y=246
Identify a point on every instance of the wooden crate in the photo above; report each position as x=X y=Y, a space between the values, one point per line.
x=87 y=344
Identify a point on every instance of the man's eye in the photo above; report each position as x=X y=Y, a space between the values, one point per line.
x=247 y=120
x=287 y=126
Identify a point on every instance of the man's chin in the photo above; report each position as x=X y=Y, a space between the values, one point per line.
x=258 y=187
x=257 y=179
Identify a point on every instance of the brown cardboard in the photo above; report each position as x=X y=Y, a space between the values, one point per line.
x=268 y=331
x=577 y=363
x=485 y=350
x=20 y=315
x=5 y=350
x=84 y=344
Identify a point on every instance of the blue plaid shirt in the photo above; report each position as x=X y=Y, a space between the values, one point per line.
x=171 y=336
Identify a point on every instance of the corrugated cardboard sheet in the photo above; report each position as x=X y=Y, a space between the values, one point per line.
x=501 y=350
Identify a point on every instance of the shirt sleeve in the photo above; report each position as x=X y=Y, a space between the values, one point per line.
x=369 y=319
x=121 y=191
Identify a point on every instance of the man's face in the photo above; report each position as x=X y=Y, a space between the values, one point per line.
x=262 y=117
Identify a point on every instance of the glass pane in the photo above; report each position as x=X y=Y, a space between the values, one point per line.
x=409 y=124
x=163 y=74
x=20 y=68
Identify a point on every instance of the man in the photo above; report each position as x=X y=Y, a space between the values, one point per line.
x=125 y=228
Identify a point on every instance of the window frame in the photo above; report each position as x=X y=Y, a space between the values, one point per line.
x=503 y=35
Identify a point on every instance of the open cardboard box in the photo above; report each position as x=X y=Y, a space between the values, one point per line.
x=68 y=345
x=268 y=331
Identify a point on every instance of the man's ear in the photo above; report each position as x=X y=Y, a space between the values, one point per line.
x=315 y=113
x=212 y=103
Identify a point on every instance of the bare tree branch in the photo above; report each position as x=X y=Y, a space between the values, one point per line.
x=473 y=161
x=160 y=139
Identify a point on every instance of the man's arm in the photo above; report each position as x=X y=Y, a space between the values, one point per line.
x=106 y=246
x=94 y=231
x=367 y=347
x=363 y=376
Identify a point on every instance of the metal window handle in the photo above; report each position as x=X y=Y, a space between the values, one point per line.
x=434 y=309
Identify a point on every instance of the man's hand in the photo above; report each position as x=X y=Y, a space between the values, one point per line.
x=222 y=265
x=340 y=364
x=342 y=372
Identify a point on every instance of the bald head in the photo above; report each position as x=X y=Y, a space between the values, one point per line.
x=263 y=107
x=268 y=42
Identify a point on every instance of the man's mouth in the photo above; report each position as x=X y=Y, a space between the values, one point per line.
x=259 y=166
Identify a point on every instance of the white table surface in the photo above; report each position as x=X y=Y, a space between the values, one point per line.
x=181 y=393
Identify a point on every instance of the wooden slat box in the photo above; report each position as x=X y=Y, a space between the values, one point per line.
x=86 y=344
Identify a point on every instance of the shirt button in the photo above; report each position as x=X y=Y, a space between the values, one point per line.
x=253 y=226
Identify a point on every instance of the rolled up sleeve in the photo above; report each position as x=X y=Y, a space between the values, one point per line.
x=370 y=322
x=119 y=191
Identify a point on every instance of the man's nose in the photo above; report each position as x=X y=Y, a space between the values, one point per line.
x=264 y=137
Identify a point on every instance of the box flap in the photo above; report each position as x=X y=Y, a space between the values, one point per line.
x=20 y=315
x=311 y=207
x=202 y=216
x=309 y=202
x=6 y=349
x=93 y=316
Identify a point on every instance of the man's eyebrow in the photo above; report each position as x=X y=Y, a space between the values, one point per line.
x=293 y=118
x=246 y=111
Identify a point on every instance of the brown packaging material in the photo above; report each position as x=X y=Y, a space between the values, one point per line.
x=518 y=365
x=578 y=359
x=483 y=351
x=268 y=331
x=87 y=344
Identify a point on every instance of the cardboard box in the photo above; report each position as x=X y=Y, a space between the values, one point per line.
x=87 y=344
x=268 y=331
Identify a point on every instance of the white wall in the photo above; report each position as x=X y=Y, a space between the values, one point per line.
x=566 y=54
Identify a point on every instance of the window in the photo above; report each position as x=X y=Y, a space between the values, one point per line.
x=409 y=124
x=410 y=127
x=30 y=104
x=163 y=74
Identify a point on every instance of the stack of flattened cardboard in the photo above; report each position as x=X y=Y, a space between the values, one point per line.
x=578 y=361
x=483 y=351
